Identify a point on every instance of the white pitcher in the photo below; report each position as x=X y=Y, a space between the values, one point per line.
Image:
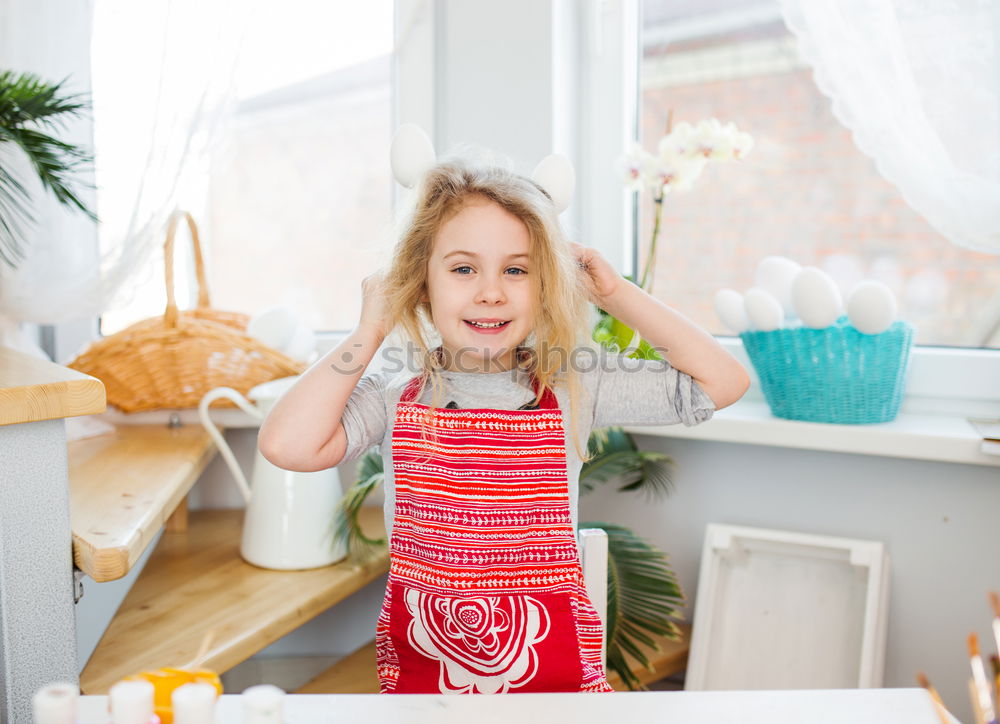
x=290 y=516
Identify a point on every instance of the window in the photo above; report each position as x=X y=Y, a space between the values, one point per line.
x=295 y=208
x=805 y=191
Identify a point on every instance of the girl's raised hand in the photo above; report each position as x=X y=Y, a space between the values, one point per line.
x=374 y=305
x=601 y=278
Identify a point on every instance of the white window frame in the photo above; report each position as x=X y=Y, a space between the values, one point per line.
x=601 y=41
x=592 y=56
x=942 y=380
x=597 y=47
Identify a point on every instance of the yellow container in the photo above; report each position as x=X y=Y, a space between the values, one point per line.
x=164 y=682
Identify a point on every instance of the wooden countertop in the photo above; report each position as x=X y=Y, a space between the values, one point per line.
x=33 y=389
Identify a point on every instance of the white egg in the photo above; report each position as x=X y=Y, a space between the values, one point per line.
x=763 y=310
x=816 y=298
x=871 y=307
x=731 y=310
x=411 y=154
x=775 y=274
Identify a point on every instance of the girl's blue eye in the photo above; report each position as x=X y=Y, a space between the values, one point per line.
x=466 y=270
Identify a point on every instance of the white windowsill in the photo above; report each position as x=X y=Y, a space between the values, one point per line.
x=926 y=429
x=943 y=438
x=945 y=388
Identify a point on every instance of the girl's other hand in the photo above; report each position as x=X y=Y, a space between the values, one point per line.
x=602 y=280
x=374 y=305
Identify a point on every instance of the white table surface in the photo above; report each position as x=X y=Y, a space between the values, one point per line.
x=849 y=706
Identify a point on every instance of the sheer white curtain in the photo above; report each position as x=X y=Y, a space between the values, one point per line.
x=174 y=61
x=917 y=82
x=163 y=89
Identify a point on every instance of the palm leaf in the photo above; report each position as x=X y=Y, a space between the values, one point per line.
x=347 y=527
x=654 y=478
x=643 y=595
x=55 y=162
x=28 y=108
x=14 y=215
x=25 y=98
x=614 y=456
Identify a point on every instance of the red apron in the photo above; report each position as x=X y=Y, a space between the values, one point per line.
x=485 y=591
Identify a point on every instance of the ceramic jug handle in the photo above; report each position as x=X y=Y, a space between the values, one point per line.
x=227 y=454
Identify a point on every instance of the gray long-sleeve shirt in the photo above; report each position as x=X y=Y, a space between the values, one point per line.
x=615 y=390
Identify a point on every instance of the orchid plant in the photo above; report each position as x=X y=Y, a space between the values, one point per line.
x=681 y=156
x=634 y=565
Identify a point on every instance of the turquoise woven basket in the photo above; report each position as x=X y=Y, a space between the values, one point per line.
x=835 y=374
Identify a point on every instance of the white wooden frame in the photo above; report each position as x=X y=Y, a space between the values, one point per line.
x=594 y=561
x=751 y=579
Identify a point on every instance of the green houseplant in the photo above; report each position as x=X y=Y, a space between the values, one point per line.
x=644 y=596
x=643 y=593
x=30 y=111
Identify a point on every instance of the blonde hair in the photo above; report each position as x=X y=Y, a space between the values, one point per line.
x=561 y=313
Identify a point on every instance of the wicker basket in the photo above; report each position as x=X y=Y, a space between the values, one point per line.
x=836 y=374
x=173 y=360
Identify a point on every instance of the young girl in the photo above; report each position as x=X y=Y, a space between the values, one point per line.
x=485 y=590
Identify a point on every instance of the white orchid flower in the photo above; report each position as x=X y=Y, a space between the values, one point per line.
x=682 y=140
x=692 y=168
x=680 y=158
x=637 y=168
x=673 y=171
x=713 y=141
x=682 y=154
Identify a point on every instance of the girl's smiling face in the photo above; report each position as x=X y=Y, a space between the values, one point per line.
x=479 y=285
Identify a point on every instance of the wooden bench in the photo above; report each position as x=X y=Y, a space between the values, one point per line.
x=123 y=487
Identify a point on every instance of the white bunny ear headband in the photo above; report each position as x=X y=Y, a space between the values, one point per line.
x=412 y=154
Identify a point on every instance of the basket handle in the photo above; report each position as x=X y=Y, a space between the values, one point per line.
x=170 y=314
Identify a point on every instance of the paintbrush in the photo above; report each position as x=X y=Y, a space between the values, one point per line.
x=995 y=603
x=939 y=708
x=977 y=710
x=982 y=686
x=995 y=668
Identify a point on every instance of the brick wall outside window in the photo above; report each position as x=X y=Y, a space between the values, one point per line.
x=806 y=192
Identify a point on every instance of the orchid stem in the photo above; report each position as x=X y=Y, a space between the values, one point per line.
x=647 y=272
